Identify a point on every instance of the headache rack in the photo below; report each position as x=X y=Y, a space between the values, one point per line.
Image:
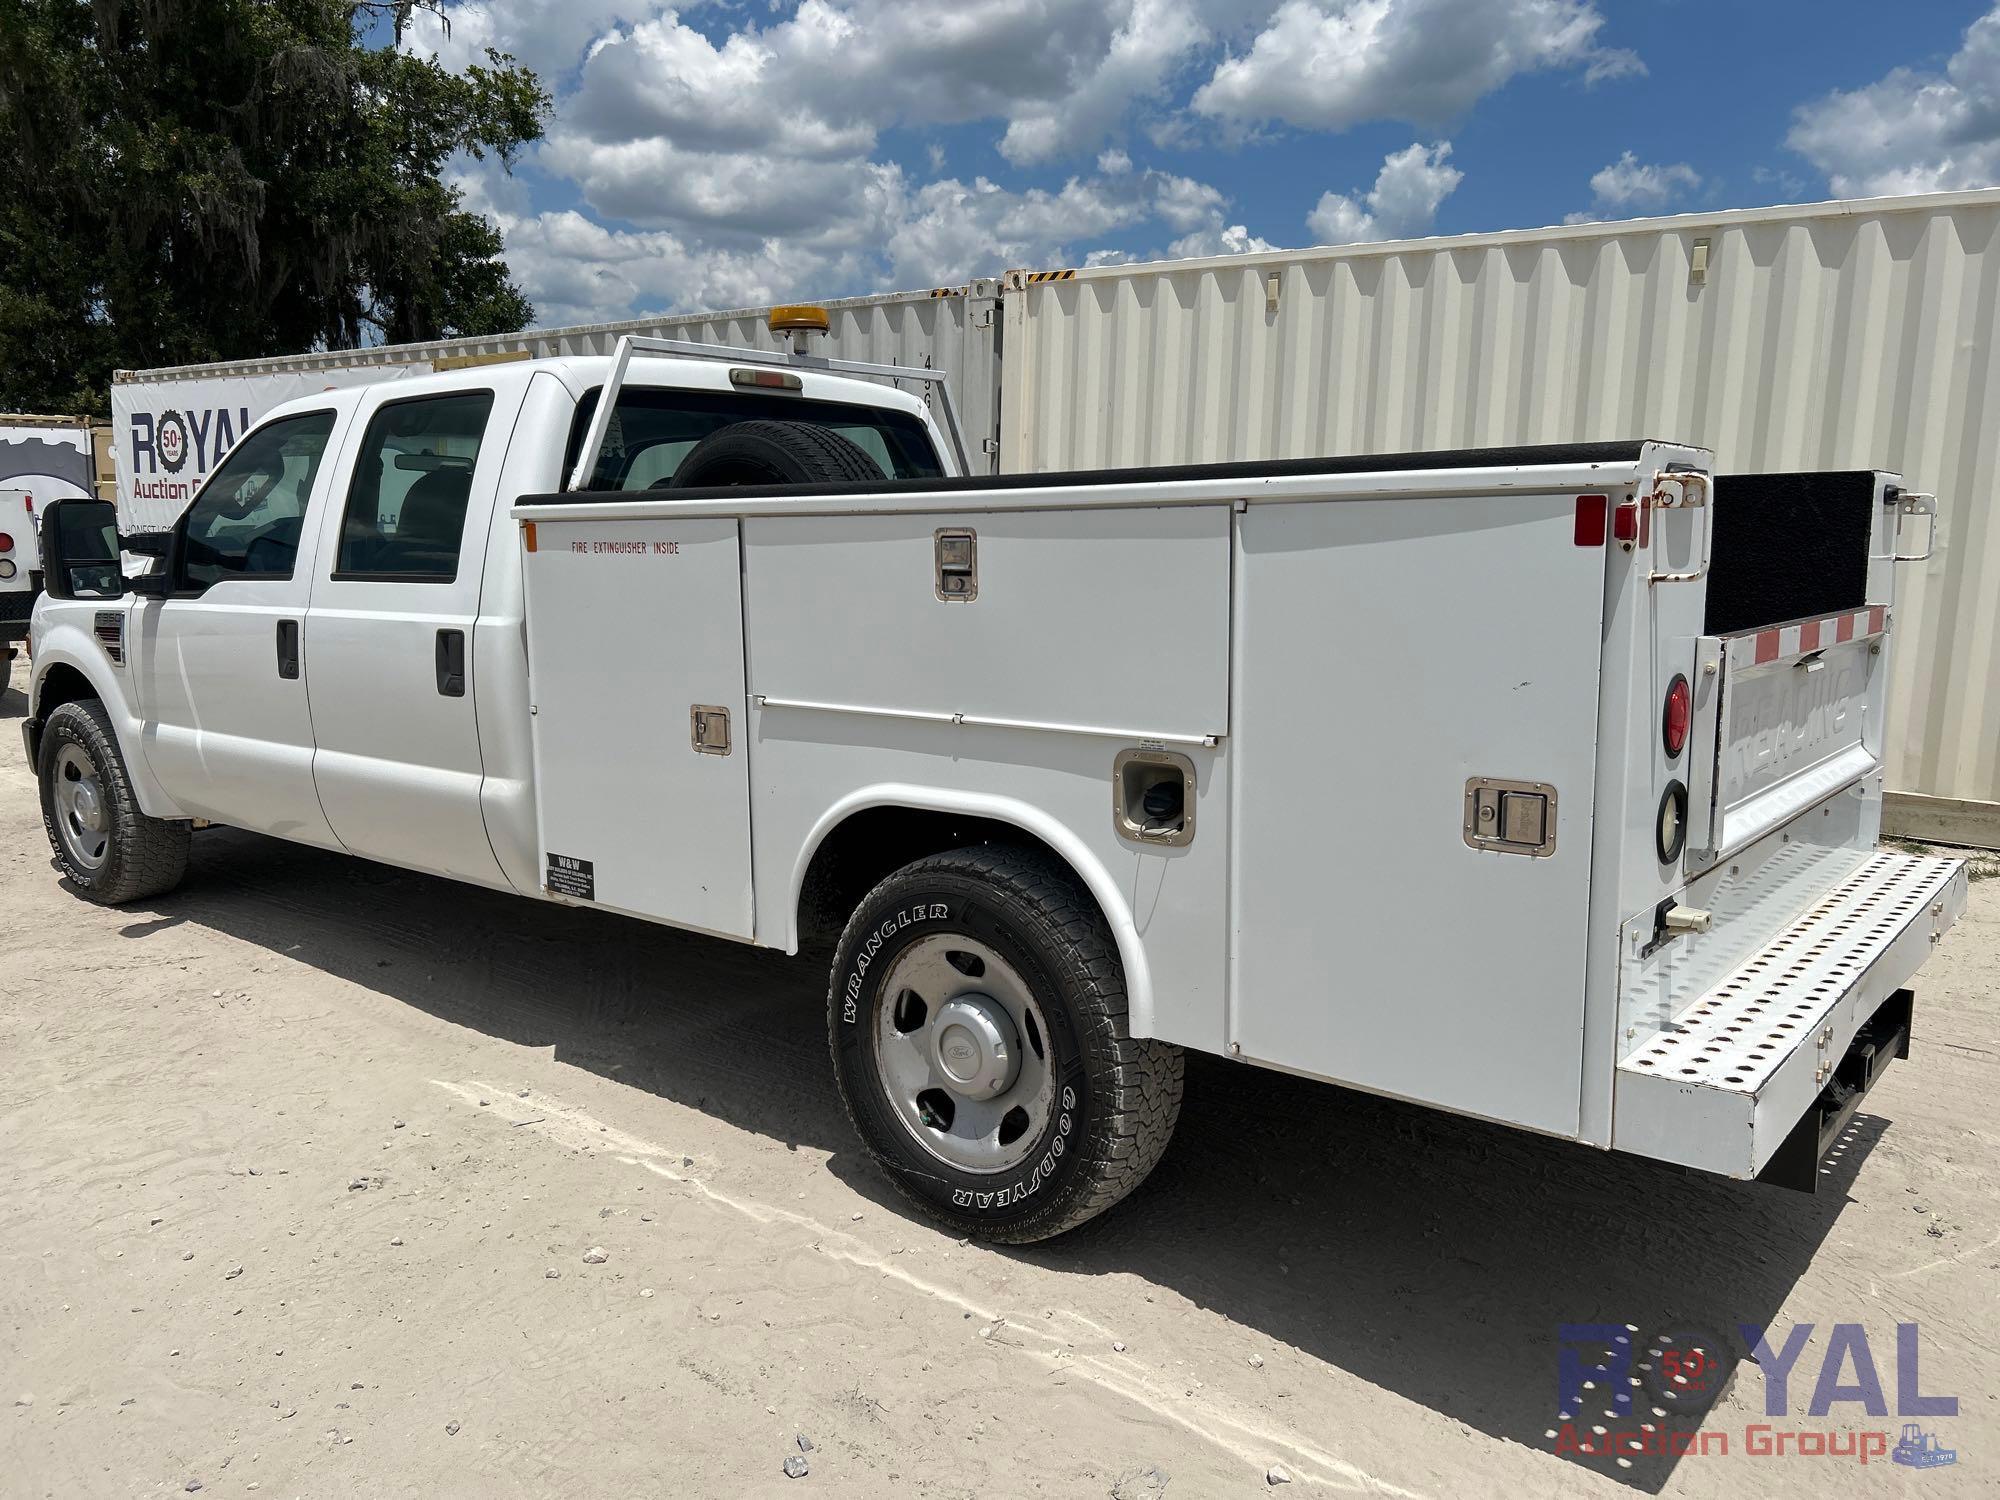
x=937 y=391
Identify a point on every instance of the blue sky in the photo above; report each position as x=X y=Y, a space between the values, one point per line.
x=729 y=153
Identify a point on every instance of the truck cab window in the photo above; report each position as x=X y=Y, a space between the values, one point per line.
x=412 y=480
x=246 y=521
x=655 y=428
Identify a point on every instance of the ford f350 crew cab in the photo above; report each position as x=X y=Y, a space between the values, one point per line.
x=1541 y=785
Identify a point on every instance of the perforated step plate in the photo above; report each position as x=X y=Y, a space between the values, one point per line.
x=1721 y=1086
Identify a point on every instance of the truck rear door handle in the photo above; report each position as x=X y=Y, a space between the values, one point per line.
x=288 y=649
x=451 y=663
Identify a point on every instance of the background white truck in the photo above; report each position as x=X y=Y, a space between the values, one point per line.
x=42 y=459
x=1541 y=785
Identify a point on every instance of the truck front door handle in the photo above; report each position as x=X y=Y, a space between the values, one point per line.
x=288 y=649
x=451 y=663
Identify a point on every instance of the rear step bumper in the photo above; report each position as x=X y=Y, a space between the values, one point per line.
x=1773 y=1059
x=1886 y=1035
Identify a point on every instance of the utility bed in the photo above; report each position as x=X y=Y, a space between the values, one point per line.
x=1350 y=663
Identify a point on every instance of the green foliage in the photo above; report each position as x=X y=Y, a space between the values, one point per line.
x=190 y=180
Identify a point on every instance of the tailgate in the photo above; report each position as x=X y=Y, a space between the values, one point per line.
x=1784 y=717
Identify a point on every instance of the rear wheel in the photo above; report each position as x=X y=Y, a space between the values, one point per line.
x=978 y=1024
x=111 y=852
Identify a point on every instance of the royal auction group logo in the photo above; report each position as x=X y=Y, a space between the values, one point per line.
x=1622 y=1393
x=173 y=451
x=170 y=441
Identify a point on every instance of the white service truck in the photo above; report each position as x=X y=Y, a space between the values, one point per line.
x=1541 y=785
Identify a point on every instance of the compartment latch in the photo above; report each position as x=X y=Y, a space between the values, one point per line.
x=708 y=728
x=1510 y=817
x=957 y=564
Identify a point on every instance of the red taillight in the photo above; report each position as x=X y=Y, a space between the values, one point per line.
x=1632 y=524
x=1590 y=520
x=1680 y=711
x=6 y=542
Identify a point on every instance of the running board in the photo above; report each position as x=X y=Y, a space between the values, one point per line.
x=1771 y=1054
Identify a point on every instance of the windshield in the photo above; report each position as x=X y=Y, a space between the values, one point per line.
x=654 y=429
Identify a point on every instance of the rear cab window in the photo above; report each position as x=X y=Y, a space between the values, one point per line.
x=412 y=481
x=655 y=428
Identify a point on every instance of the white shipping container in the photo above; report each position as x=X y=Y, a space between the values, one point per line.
x=1847 y=335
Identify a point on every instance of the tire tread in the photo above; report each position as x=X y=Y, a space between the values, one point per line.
x=1135 y=1120
x=814 y=454
x=149 y=856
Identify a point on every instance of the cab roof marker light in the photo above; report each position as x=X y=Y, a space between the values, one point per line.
x=797 y=317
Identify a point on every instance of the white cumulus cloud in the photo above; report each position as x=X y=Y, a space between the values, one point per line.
x=896 y=233
x=716 y=152
x=1331 y=64
x=1912 y=131
x=1403 y=203
x=740 y=157
x=1629 y=187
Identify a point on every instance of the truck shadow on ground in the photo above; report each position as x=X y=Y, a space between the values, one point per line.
x=1430 y=1256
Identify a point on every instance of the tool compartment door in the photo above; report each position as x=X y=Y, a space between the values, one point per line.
x=1389 y=652
x=634 y=627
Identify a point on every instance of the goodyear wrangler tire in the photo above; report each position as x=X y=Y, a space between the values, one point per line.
x=773 y=453
x=110 y=851
x=977 y=1020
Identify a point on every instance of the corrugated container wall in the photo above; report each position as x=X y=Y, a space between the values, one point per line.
x=1844 y=335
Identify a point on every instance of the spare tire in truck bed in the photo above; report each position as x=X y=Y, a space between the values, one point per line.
x=760 y=453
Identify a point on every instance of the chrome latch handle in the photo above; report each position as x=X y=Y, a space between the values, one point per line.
x=1680 y=489
x=1912 y=503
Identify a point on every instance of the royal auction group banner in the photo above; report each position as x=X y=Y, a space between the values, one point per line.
x=169 y=435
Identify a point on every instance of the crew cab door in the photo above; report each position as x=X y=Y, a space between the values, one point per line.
x=217 y=664
x=390 y=633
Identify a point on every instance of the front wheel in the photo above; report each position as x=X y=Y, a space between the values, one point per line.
x=111 y=852
x=977 y=1018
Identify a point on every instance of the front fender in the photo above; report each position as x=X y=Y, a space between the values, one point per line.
x=69 y=643
x=1030 y=819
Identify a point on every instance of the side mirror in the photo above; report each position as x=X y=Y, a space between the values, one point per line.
x=80 y=550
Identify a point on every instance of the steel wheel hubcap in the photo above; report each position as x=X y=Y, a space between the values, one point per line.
x=80 y=812
x=962 y=1052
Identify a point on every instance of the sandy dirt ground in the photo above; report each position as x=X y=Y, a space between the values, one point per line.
x=302 y=1164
